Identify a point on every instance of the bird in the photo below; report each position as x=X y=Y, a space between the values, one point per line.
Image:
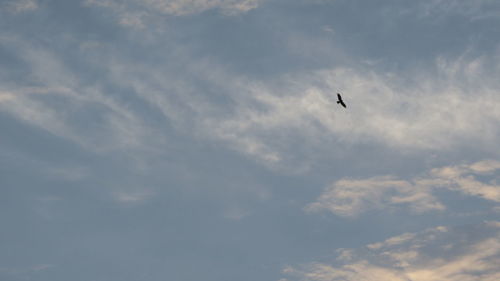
x=341 y=101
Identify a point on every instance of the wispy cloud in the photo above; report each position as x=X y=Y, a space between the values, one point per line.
x=433 y=113
x=60 y=103
x=26 y=270
x=20 y=6
x=131 y=197
x=136 y=13
x=475 y=9
x=351 y=197
x=440 y=253
x=286 y=121
x=290 y=120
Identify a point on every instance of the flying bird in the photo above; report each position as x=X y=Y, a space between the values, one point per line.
x=341 y=101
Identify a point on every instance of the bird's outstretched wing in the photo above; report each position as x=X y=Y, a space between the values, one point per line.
x=341 y=101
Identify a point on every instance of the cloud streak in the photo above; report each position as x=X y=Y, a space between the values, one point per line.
x=60 y=103
x=136 y=13
x=21 y=6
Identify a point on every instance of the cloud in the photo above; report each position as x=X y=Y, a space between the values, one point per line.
x=183 y=7
x=474 y=10
x=431 y=114
x=66 y=106
x=21 y=6
x=440 y=253
x=290 y=121
x=131 y=197
x=236 y=213
x=26 y=270
x=135 y=13
x=351 y=197
x=5 y=96
x=119 y=127
x=378 y=108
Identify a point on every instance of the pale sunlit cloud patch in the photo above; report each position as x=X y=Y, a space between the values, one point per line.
x=440 y=253
x=351 y=197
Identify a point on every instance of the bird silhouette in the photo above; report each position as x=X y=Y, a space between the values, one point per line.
x=341 y=101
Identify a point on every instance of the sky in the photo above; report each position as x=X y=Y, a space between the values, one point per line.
x=193 y=140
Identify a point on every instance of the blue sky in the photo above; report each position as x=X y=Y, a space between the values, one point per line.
x=201 y=140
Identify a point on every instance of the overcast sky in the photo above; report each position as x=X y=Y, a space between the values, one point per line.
x=189 y=140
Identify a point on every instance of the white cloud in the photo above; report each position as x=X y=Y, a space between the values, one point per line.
x=351 y=197
x=439 y=253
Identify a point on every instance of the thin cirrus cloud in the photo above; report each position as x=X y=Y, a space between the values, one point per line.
x=434 y=109
x=117 y=128
x=439 y=253
x=19 y=6
x=433 y=115
x=264 y=120
x=476 y=9
x=55 y=99
x=135 y=13
x=352 y=197
x=131 y=197
x=448 y=105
